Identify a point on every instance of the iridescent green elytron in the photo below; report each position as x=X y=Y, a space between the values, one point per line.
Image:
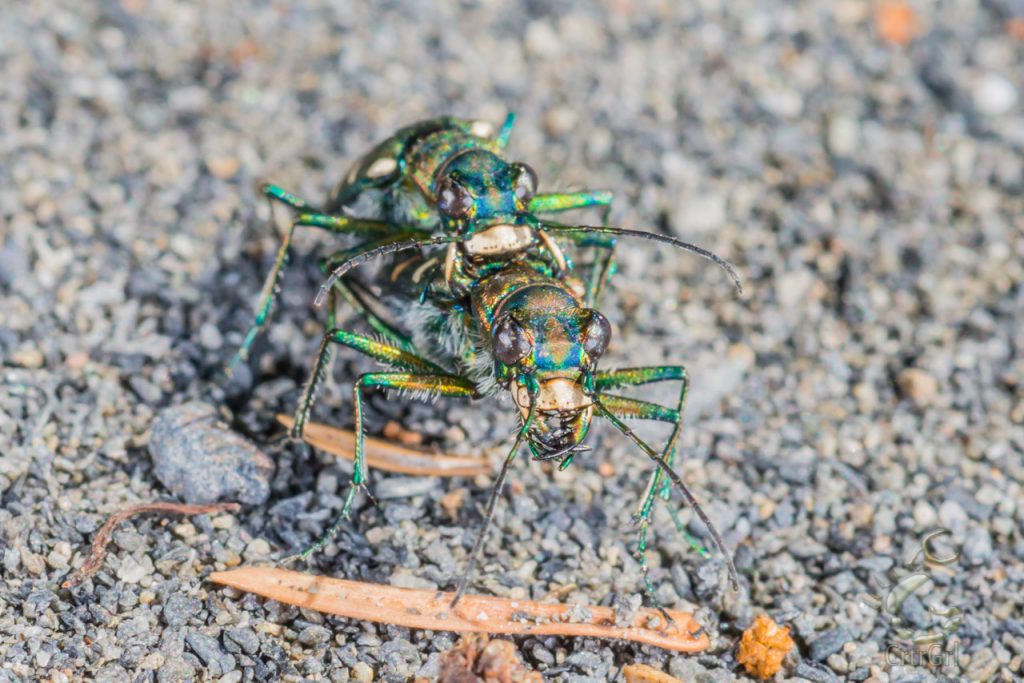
x=484 y=301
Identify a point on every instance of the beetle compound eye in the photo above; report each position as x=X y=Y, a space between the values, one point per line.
x=453 y=200
x=510 y=341
x=526 y=184
x=596 y=335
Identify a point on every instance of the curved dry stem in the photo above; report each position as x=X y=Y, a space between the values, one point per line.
x=388 y=456
x=427 y=609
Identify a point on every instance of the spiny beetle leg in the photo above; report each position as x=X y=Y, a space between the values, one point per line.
x=440 y=384
x=634 y=408
x=338 y=224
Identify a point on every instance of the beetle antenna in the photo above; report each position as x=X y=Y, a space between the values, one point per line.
x=499 y=484
x=665 y=239
x=370 y=254
x=691 y=500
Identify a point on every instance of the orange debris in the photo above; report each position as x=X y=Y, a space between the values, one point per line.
x=478 y=659
x=642 y=673
x=763 y=647
x=1015 y=27
x=896 y=22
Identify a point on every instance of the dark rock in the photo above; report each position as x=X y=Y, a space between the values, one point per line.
x=829 y=643
x=914 y=612
x=311 y=636
x=208 y=649
x=238 y=640
x=814 y=673
x=202 y=461
x=178 y=609
x=977 y=548
x=401 y=659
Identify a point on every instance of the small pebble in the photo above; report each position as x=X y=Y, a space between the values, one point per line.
x=241 y=640
x=983 y=666
x=977 y=547
x=314 y=635
x=994 y=94
x=176 y=670
x=257 y=549
x=59 y=556
x=362 y=672
x=132 y=571
x=208 y=650
x=32 y=563
x=223 y=167
x=919 y=386
x=222 y=522
x=178 y=609
x=29 y=357
x=924 y=514
x=829 y=643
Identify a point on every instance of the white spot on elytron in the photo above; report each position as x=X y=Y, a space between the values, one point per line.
x=381 y=167
x=482 y=129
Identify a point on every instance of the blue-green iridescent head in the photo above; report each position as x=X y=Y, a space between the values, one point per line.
x=547 y=348
x=477 y=189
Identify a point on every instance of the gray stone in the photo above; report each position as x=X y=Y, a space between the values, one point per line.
x=176 y=670
x=112 y=673
x=178 y=609
x=238 y=640
x=405 y=487
x=828 y=643
x=201 y=461
x=313 y=636
x=977 y=548
x=208 y=650
x=815 y=673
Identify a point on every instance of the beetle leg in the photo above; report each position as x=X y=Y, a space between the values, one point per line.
x=634 y=408
x=631 y=377
x=427 y=384
x=387 y=354
x=604 y=258
x=609 y=409
x=337 y=224
x=360 y=299
x=554 y=202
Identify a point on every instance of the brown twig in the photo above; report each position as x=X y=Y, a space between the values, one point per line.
x=388 y=456
x=427 y=609
x=98 y=550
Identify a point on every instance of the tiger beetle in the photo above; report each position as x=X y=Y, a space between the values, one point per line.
x=485 y=301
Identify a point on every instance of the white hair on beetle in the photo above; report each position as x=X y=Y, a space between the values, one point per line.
x=447 y=339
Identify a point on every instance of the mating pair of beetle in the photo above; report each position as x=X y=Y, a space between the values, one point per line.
x=478 y=299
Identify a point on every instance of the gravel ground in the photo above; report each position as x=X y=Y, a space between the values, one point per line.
x=867 y=387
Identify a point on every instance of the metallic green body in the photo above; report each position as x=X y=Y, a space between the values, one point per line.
x=495 y=286
x=402 y=169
